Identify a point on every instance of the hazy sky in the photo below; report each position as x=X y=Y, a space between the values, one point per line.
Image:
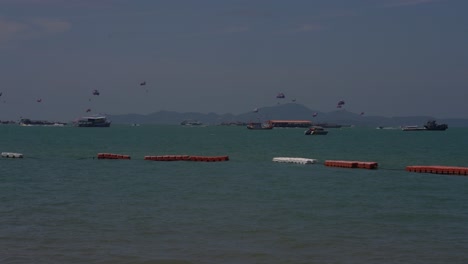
x=382 y=57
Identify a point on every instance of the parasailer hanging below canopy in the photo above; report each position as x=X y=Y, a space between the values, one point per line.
x=95 y=92
x=280 y=96
x=340 y=104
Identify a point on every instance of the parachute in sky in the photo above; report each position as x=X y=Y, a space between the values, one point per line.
x=1 y=94
x=280 y=96
x=143 y=83
x=294 y=100
x=340 y=104
x=95 y=92
x=314 y=114
x=362 y=113
x=88 y=110
x=255 y=110
x=39 y=100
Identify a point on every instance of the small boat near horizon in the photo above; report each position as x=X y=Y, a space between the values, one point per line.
x=315 y=130
x=431 y=125
x=92 y=121
x=191 y=123
x=260 y=126
x=29 y=122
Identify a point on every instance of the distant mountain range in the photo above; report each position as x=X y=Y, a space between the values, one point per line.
x=290 y=111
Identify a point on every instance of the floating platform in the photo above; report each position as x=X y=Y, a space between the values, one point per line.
x=439 y=169
x=294 y=160
x=112 y=156
x=167 y=157
x=187 y=158
x=12 y=155
x=352 y=164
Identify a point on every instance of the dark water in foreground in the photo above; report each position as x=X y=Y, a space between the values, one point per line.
x=59 y=205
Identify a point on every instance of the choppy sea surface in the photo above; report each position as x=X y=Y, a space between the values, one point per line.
x=61 y=205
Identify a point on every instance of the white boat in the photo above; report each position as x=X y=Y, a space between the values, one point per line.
x=294 y=160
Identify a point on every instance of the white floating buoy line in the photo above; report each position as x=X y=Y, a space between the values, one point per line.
x=12 y=155
x=295 y=160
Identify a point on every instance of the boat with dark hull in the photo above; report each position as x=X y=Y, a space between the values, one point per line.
x=429 y=126
x=29 y=122
x=315 y=130
x=93 y=121
x=432 y=125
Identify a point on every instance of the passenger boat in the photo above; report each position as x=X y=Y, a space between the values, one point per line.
x=431 y=125
x=315 y=130
x=260 y=126
x=93 y=121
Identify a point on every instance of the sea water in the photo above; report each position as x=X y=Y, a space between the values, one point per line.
x=62 y=205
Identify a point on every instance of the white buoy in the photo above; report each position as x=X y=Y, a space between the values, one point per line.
x=12 y=155
x=295 y=160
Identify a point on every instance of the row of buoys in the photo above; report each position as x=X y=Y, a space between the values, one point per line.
x=12 y=155
x=112 y=156
x=187 y=158
x=439 y=169
x=166 y=157
x=209 y=158
x=331 y=163
x=352 y=164
x=294 y=160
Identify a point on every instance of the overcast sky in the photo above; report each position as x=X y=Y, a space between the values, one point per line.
x=382 y=57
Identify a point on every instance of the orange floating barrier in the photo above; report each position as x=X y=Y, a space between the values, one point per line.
x=352 y=164
x=438 y=169
x=112 y=156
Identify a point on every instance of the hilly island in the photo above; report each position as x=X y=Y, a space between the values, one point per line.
x=289 y=111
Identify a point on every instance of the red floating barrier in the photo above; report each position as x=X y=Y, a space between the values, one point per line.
x=167 y=157
x=352 y=164
x=438 y=169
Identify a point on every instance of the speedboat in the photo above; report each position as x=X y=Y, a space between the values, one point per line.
x=315 y=130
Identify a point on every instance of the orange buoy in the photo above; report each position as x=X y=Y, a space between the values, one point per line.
x=438 y=169
x=351 y=164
